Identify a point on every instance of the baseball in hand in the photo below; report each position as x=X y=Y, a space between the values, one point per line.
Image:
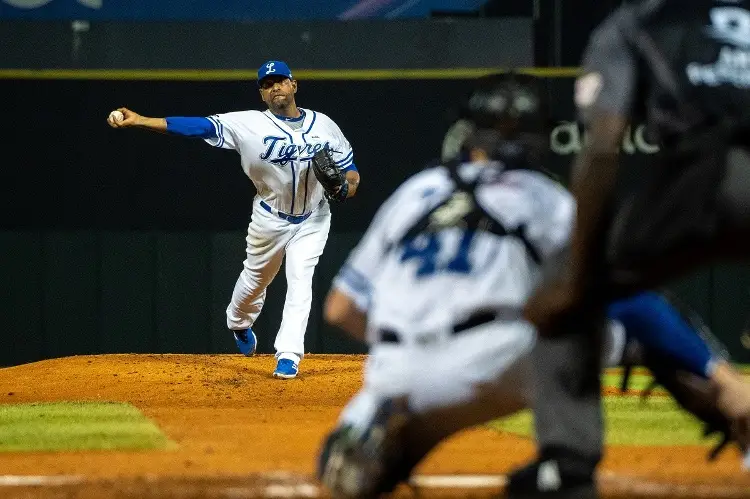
x=116 y=116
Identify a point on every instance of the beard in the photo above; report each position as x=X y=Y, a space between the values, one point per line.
x=279 y=102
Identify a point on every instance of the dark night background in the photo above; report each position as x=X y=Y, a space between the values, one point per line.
x=126 y=241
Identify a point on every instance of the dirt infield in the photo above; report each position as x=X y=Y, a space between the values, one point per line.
x=241 y=433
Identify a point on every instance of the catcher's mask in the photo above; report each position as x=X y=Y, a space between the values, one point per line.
x=510 y=113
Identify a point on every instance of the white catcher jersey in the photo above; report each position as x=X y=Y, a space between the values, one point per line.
x=436 y=280
x=277 y=157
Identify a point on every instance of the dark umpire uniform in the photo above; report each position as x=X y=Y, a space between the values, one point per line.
x=684 y=66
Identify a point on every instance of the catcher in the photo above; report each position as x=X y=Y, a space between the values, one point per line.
x=291 y=215
x=437 y=286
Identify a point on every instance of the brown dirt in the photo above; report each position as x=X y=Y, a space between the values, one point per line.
x=236 y=428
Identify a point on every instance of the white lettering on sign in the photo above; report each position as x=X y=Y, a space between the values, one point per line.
x=568 y=138
x=35 y=4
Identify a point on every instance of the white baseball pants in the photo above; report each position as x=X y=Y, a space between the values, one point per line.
x=269 y=239
x=476 y=376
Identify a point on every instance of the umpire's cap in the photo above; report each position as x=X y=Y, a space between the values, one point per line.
x=511 y=103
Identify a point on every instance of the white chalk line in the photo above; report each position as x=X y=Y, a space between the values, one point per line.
x=302 y=490
x=281 y=489
x=458 y=481
x=641 y=487
x=47 y=481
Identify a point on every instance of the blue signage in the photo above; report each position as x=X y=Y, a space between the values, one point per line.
x=227 y=10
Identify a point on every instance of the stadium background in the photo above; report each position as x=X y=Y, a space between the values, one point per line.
x=131 y=242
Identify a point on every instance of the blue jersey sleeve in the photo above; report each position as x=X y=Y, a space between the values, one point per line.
x=198 y=127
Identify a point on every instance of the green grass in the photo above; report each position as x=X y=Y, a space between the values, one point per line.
x=630 y=420
x=68 y=426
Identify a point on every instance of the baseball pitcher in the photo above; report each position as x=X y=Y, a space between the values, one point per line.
x=299 y=161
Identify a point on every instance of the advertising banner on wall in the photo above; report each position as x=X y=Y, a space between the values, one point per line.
x=567 y=135
x=228 y=10
x=77 y=186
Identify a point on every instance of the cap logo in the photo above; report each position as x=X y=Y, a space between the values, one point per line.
x=270 y=68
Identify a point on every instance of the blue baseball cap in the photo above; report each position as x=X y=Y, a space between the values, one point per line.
x=274 y=68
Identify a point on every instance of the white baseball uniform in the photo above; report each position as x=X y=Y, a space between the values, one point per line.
x=418 y=293
x=290 y=214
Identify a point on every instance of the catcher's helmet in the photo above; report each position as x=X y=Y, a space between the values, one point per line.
x=514 y=107
x=509 y=102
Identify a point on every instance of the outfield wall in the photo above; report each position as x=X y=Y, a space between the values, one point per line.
x=125 y=241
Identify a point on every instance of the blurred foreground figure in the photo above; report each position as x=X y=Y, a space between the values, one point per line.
x=681 y=65
x=437 y=286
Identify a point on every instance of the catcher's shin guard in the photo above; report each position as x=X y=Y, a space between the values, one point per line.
x=366 y=464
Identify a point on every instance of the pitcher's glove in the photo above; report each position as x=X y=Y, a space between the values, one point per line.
x=330 y=176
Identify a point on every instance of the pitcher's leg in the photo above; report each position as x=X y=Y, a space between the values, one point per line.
x=245 y=306
x=302 y=255
x=265 y=252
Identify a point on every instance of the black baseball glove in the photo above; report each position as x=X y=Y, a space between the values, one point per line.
x=330 y=176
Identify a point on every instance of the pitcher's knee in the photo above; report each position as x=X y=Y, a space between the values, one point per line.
x=299 y=299
x=253 y=283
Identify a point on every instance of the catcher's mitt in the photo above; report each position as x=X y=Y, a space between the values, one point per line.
x=368 y=463
x=330 y=177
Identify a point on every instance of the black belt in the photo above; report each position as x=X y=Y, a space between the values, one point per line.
x=391 y=336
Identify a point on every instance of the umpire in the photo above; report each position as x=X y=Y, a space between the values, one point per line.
x=684 y=67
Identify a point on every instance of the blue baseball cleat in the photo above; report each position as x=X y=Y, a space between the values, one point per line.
x=285 y=369
x=246 y=341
